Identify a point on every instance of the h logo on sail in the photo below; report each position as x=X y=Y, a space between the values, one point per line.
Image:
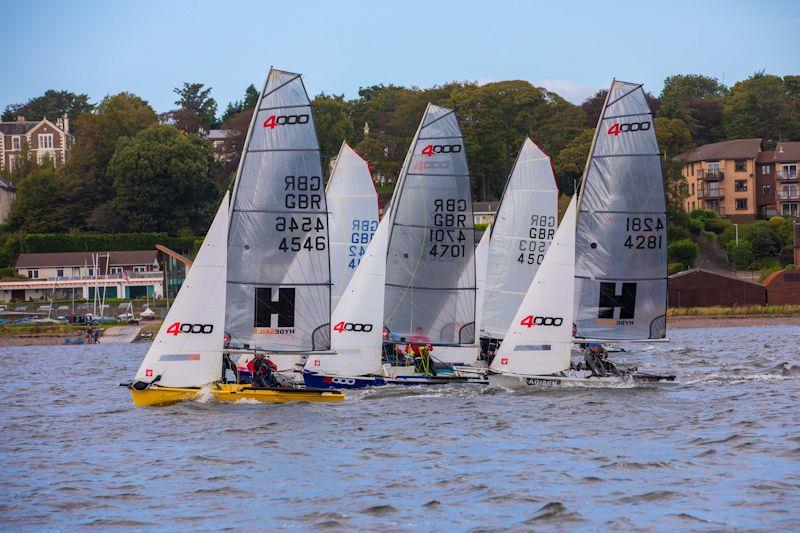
x=274 y=310
x=617 y=303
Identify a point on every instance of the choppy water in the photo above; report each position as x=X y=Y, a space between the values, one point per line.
x=721 y=450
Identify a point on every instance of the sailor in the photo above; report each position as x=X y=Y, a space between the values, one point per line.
x=416 y=342
x=597 y=361
x=262 y=370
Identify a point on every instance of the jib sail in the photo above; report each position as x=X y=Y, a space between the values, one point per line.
x=430 y=268
x=523 y=228
x=353 y=217
x=279 y=284
x=621 y=261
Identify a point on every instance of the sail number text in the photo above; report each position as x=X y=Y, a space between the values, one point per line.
x=541 y=232
x=447 y=237
x=644 y=233
x=302 y=192
x=618 y=128
x=362 y=233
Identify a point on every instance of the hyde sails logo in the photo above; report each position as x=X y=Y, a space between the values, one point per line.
x=274 y=311
x=617 y=304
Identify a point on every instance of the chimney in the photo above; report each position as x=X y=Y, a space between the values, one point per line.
x=20 y=118
x=66 y=123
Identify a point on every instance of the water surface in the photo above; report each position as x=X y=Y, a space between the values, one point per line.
x=720 y=450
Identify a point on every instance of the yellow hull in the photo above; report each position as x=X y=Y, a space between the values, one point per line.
x=228 y=392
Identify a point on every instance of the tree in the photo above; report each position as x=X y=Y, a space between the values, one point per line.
x=164 y=180
x=763 y=239
x=251 y=95
x=185 y=120
x=593 y=106
x=37 y=207
x=51 y=105
x=571 y=160
x=194 y=97
x=676 y=189
x=332 y=124
x=694 y=99
x=683 y=251
x=88 y=184
x=760 y=106
x=674 y=137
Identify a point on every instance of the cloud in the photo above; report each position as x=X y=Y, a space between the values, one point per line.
x=574 y=92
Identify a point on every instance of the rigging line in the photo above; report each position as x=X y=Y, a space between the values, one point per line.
x=629 y=115
x=452 y=111
x=441 y=138
x=620 y=278
x=625 y=155
x=256 y=150
x=276 y=284
x=437 y=175
x=282 y=85
x=399 y=286
x=284 y=107
x=639 y=86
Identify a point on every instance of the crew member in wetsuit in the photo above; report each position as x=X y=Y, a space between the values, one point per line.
x=419 y=347
x=597 y=361
x=262 y=371
x=227 y=364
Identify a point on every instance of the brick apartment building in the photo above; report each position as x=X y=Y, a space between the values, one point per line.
x=741 y=181
x=43 y=139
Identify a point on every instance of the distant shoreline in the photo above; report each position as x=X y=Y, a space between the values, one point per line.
x=673 y=322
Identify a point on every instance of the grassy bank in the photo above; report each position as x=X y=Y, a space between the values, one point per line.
x=25 y=330
x=736 y=311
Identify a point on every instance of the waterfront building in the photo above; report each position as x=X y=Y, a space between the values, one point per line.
x=81 y=275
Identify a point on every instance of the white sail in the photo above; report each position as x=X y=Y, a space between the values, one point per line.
x=279 y=284
x=187 y=351
x=357 y=322
x=523 y=228
x=430 y=273
x=467 y=355
x=539 y=340
x=621 y=268
x=352 y=216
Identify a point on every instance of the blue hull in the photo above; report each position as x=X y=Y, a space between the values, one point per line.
x=339 y=382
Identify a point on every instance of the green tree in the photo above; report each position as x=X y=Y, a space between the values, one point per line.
x=676 y=189
x=164 y=180
x=697 y=101
x=332 y=124
x=741 y=255
x=88 y=184
x=683 y=251
x=763 y=239
x=39 y=201
x=783 y=228
x=760 y=106
x=571 y=160
x=52 y=105
x=251 y=95
x=674 y=137
x=194 y=97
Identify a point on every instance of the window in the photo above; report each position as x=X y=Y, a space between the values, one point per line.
x=789 y=210
x=740 y=165
x=766 y=190
x=115 y=270
x=692 y=188
x=741 y=185
x=741 y=204
x=33 y=274
x=60 y=272
x=45 y=140
x=139 y=268
x=90 y=272
x=766 y=169
x=712 y=168
x=11 y=162
x=789 y=171
x=789 y=192
x=16 y=144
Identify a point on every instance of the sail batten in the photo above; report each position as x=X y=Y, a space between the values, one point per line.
x=279 y=284
x=621 y=231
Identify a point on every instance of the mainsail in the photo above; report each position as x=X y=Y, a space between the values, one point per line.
x=353 y=216
x=539 y=339
x=430 y=269
x=621 y=265
x=187 y=350
x=279 y=284
x=523 y=228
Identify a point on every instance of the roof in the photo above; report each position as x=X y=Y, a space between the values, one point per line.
x=787 y=152
x=74 y=259
x=769 y=279
x=220 y=135
x=735 y=149
x=696 y=271
x=485 y=207
x=17 y=128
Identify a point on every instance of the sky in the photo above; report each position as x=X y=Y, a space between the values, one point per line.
x=571 y=47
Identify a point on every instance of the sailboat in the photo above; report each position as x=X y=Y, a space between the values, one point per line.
x=416 y=283
x=352 y=215
x=262 y=275
x=524 y=226
x=608 y=257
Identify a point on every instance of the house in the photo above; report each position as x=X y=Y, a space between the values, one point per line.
x=217 y=139
x=43 y=138
x=722 y=177
x=701 y=288
x=127 y=274
x=484 y=212
x=785 y=161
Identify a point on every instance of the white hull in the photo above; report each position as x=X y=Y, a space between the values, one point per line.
x=570 y=379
